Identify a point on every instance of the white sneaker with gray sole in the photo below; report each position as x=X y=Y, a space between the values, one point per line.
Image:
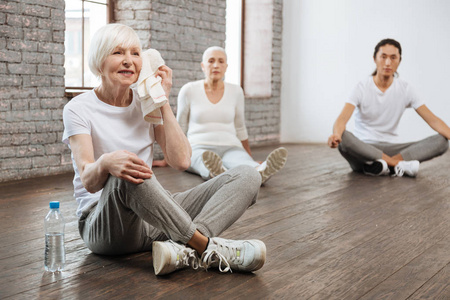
x=169 y=256
x=274 y=162
x=213 y=163
x=232 y=255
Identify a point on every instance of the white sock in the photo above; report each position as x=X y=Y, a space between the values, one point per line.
x=262 y=166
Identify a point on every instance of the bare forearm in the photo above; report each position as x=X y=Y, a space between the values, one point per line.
x=433 y=121
x=177 y=149
x=94 y=175
x=339 y=128
x=440 y=127
x=342 y=120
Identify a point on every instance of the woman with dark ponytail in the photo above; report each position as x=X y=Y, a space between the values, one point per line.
x=380 y=101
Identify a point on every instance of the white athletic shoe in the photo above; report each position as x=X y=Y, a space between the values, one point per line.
x=169 y=256
x=378 y=167
x=231 y=255
x=274 y=162
x=410 y=168
x=213 y=163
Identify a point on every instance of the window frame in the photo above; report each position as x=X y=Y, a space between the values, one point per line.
x=249 y=85
x=71 y=91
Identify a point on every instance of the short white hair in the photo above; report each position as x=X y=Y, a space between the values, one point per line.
x=105 y=40
x=213 y=48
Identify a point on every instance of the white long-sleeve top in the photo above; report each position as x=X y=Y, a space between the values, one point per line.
x=205 y=123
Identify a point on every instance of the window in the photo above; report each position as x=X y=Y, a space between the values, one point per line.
x=249 y=46
x=233 y=41
x=83 y=18
x=257 y=58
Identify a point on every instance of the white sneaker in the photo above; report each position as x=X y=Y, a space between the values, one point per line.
x=169 y=256
x=410 y=168
x=378 y=167
x=274 y=162
x=213 y=163
x=245 y=256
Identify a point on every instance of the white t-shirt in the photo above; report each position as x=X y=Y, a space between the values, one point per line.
x=378 y=114
x=205 y=123
x=111 y=128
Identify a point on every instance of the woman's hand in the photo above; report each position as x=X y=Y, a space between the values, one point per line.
x=166 y=75
x=334 y=141
x=126 y=165
x=159 y=163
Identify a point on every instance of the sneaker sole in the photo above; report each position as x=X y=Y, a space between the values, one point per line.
x=161 y=258
x=213 y=163
x=275 y=162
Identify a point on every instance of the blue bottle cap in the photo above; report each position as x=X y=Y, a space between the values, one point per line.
x=54 y=204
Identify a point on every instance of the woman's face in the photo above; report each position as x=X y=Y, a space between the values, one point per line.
x=122 y=66
x=387 y=60
x=215 y=65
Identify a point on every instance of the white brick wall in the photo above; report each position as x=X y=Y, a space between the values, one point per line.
x=31 y=89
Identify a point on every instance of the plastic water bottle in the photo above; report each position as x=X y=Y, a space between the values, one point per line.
x=55 y=255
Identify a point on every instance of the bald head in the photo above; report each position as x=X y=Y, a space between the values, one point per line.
x=211 y=49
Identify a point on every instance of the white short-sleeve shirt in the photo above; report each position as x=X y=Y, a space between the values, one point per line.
x=111 y=128
x=378 y=114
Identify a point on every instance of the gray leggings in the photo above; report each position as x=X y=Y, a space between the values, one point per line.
x=129 y=217
x=232 y=157
x=357 y=152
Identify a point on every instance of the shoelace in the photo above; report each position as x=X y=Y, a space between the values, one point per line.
x=187 y=257
x=210 y=257
x=223 y=251
x=398 y=171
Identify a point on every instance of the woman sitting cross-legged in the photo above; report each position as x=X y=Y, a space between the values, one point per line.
x=122 y=208
x=211 y=113
x=379 y=102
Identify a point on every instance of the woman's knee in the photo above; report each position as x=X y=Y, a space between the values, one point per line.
x=250 y=175
x=250 y=182
x=345 y=141
x=442 y=142
x=114 y=183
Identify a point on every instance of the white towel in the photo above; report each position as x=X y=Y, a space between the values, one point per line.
x=150 y=90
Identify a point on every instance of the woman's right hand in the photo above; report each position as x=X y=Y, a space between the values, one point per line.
x=166 y=78
x=126 y=165
x=334 y=141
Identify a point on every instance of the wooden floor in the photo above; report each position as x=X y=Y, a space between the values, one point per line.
x=330 y=234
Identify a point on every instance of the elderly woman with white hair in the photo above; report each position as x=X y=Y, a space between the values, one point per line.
x=211 y=114
x=122 y=208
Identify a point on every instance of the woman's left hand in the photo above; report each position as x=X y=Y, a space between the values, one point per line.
x=166 y=75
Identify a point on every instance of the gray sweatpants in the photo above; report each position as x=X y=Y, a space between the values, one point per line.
x=129 y=217
x=232 y=157
x=357 y=152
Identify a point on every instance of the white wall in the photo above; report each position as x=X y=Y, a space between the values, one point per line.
x=328 y=47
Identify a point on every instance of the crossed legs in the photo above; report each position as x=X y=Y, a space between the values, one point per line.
x=358 y=153
x=129 y=217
